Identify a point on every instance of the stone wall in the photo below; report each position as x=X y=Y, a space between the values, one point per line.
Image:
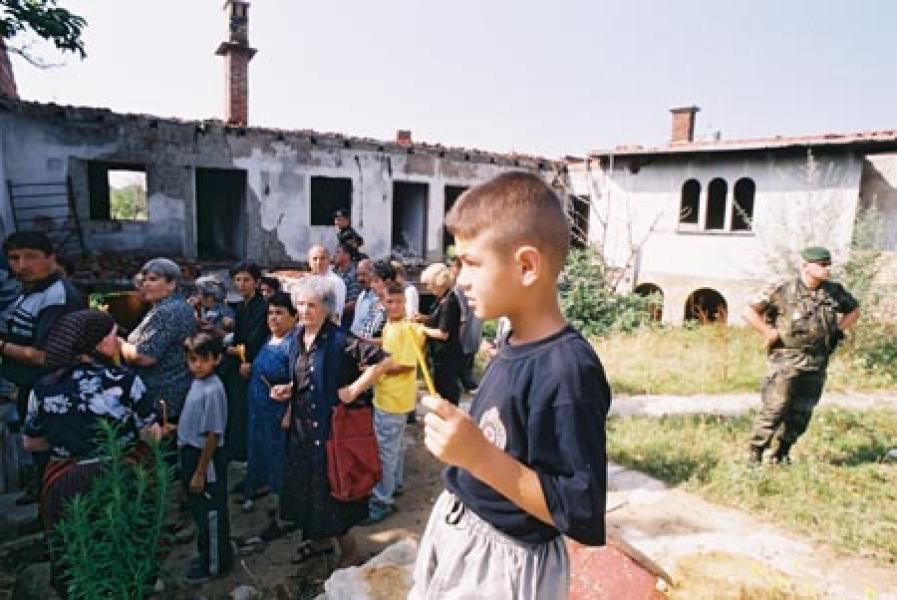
x=45 y=142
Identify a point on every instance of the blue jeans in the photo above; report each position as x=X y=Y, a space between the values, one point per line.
x=390 y=430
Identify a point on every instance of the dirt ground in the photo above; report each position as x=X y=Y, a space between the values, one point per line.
x=676 y=530
x=270 y=568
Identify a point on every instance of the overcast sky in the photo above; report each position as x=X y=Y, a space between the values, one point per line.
x=554 y=77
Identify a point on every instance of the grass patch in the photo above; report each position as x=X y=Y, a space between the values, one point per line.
x=837 y=491
x=712 y=359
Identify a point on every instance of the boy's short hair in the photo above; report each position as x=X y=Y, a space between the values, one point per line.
x=516 y=208
x=28 y=240
x=247 y=267
x=283 y=300
x=394 y=287
x=204 y=344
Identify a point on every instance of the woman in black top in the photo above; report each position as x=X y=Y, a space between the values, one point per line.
x=442 y=327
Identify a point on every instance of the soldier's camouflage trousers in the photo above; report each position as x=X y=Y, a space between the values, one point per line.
x=788 y=397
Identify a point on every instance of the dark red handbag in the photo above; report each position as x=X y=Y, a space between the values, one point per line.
x=353 y=457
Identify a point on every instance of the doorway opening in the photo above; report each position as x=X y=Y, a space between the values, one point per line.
x=220 y=214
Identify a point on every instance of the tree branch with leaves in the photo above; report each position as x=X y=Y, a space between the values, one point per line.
x=46 y=20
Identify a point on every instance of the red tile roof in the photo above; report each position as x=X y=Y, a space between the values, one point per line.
x=865 y=138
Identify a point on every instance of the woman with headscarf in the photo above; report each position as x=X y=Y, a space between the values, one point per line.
x=84 y=387
x=331 y=366
x=442 y=328
x=156 y=346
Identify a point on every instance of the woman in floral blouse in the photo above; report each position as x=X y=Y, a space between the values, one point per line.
x=84 y=388
x=156 y=346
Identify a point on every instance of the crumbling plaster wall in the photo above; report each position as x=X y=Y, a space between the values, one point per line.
x=798 y=201
x=281 y=176
x=49 y=143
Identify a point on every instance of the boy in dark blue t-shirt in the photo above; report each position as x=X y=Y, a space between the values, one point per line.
x=528 y=466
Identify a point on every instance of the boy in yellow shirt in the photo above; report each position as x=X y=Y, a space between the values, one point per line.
x=394 y=397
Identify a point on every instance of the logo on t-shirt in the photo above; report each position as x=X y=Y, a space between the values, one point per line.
x=493 y=428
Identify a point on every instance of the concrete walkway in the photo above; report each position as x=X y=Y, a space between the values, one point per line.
x=668 y=524
x=735 y=404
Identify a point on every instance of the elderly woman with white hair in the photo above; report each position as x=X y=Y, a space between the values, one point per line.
x=155 y=349
x=443 y=328
x=331 y=366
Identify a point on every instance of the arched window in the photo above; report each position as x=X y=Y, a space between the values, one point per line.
x=706 y=305
x=655 y=304
x=743 y=205
x=716 y=204
x=691 y=200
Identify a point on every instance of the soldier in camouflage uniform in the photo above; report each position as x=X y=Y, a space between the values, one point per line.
x=802 y=321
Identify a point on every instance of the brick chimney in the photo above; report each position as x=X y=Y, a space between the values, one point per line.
x=237 y=53
x=683 y=124
x=7 y=81
x=403 y=137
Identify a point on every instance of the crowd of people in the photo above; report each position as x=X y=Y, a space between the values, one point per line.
x=259 y=380
x=253 y=381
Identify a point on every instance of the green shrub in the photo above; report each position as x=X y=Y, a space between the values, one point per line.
x=109 y=539
x=588 y=301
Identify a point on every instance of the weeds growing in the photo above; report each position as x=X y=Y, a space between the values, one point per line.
x=109 y=540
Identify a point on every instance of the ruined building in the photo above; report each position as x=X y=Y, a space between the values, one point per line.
x=223 y=189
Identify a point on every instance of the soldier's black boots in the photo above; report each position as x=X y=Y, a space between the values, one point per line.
x=780 y=456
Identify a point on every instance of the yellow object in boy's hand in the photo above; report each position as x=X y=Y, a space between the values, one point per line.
x=451 y=435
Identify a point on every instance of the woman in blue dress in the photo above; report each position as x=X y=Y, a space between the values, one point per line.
x=267 y=429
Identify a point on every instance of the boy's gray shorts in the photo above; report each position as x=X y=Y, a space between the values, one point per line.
x=462 y=556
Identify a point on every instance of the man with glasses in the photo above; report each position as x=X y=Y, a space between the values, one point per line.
x=802 y=320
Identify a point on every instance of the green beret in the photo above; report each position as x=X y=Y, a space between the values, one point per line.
x=816 y=254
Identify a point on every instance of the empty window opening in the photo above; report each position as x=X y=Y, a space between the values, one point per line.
x=452 y=193
x=579 y=221
x=691 y=200
x=743 y=204
x=716 y=204
x=220 y=214
x=706 y=306
x=117 y=192
x=329 y=194
x=655 y=300
x=409 y=220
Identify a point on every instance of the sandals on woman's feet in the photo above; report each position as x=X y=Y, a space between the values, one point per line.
x=307 y=550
